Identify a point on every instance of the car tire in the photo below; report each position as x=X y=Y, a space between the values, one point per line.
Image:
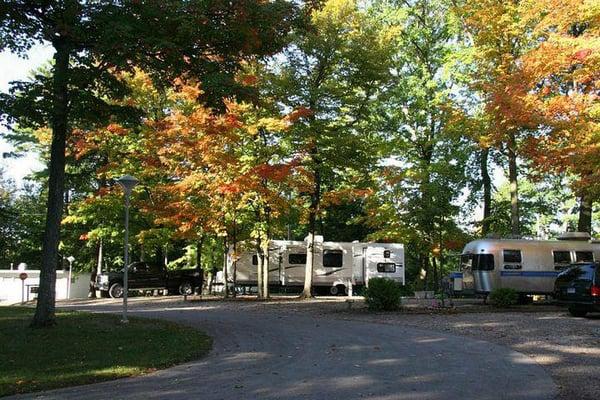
x=577 y=312
x=186 y=288
x=116 y=290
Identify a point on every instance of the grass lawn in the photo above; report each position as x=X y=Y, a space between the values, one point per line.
x=84 y=348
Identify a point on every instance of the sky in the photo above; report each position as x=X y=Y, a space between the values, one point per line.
x=14 y=68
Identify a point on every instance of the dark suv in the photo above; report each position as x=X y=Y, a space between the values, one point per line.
x=578 y=287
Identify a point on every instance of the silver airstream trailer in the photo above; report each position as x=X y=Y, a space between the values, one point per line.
x=528 y=266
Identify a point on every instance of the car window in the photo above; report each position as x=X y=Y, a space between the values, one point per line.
x=154 y=268
x=580 y=273
x=138 y=267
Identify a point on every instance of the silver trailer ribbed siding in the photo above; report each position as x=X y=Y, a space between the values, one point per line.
x=528 y=266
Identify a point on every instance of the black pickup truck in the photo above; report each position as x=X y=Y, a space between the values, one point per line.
x=143 y=276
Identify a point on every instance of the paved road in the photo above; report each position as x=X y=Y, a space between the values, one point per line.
x=278 y=355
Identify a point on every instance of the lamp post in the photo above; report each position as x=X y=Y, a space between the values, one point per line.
x=127 y=182
x=70 y=259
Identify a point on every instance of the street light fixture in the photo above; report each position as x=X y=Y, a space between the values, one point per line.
x=127 y=182
x=70 y=259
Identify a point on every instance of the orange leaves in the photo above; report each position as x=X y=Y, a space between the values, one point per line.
x=299 y=113
x=562 y=75
x=275 y=173
x=581 y=55
x=346 y=195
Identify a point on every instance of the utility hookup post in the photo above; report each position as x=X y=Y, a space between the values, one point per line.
x=23 y=277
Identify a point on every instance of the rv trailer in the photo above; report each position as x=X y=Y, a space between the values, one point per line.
x=336 y=266
x=527 y=266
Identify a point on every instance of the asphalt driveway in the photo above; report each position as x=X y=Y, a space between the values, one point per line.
x=272 y=354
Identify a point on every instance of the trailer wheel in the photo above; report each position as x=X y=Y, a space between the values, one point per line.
x=116 y=290
x=186 y=288
x=338 y=290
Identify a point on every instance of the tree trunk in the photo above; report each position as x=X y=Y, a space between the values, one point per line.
x=308 y=271
x=585 y=215
x=266 y=266
x=199 y=262
x=45 y=309
x=266 y=244
x=234 y=264
x=313 y=214
x=225 y=267
x=310 y=244
x=514 y=187
x=435 y=274
x=487 y=192
x=259 y=267
x=95 y=269
x=425 y=261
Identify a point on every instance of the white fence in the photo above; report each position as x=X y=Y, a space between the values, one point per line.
x=12 y=289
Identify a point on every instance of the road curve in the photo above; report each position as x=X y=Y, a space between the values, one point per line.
x=262 y=354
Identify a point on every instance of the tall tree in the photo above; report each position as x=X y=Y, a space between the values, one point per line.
x=499 y=39
x=330 y=74
x=420 y=187
x=92 y=40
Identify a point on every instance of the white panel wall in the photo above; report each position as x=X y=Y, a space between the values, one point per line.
x=11 y=287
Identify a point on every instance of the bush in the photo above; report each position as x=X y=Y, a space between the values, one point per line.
x=383 y=294
x=504 y=297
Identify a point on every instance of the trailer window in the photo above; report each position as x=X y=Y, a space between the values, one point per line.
x=386 y=267
x=512 y=256
x=584 y=256
x=333 y=258
x=561 y=259
x=481 y=262
x=297 y=258
x=254 y=259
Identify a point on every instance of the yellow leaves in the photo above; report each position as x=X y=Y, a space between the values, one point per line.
x=185 y=90
x=43 y=135
x=336 y=13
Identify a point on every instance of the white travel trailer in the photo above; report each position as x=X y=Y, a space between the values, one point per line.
x=337 y=265
x=528 y=266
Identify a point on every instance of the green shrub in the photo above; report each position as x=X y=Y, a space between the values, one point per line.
x=383 y=294
x=504 y=297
